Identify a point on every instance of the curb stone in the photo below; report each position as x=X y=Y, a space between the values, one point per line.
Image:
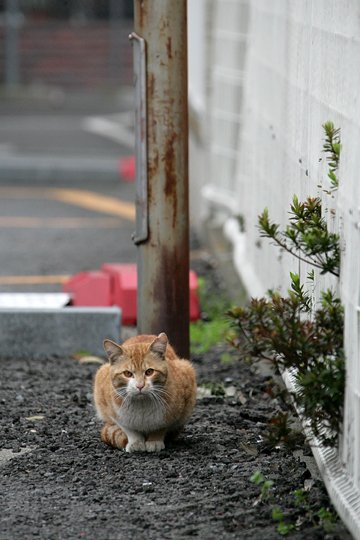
x=41 y=169
x=43 y=333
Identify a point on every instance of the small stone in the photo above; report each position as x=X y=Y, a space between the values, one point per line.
x=240 y=397
x=203 y=392
x=230 y=391
x=249 y=449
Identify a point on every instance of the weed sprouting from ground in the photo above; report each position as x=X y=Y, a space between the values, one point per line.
x=206 y=334
x=213 y=327
x=300 y=509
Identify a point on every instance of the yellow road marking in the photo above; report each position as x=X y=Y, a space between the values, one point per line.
x=94 y=201
x=59 y=223
x=76 y=197
x=84 y=199
x=32 y=280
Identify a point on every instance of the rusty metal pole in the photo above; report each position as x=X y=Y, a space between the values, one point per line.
x=162 y=170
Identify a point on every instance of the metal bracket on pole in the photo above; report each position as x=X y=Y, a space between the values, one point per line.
x=142 y=219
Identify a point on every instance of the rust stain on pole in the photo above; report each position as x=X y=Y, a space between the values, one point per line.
x=168 y=47
x=163 y=261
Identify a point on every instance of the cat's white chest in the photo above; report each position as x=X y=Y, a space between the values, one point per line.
x=141 y=415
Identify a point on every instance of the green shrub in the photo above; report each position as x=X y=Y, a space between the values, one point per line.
x=290 y=331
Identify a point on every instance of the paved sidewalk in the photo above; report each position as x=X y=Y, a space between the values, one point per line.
x=54 y=157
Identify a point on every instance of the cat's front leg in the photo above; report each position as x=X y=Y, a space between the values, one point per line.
x=155 y=441
x=136 y=441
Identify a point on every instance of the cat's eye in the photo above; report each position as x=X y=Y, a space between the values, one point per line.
x=127 y=374
x=149 y=372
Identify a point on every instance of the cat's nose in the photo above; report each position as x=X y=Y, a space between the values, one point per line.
x=140 y=386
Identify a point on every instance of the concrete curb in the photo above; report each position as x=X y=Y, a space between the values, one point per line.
x=50 y=169
x=43 y=333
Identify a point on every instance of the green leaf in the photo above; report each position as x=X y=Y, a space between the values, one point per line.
x=265 y=488
x=284 y=528
x=277 y=514
x=301 y=497
x=336 y=148
x=257 y=478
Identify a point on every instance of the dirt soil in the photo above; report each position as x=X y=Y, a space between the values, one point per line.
x=62 y=482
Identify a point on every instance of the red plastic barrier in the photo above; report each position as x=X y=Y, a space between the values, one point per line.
x=116 y=284
x=194 y=297
x=127 y=168
x=89 y=289
x=123 y=289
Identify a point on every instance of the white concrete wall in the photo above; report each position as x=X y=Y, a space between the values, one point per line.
x=274 y=78
x=215 y=94
x=199 y=15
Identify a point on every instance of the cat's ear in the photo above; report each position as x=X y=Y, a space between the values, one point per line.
x=158 y=346
x=113 y=350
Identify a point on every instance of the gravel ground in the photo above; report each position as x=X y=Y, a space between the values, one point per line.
x=62 y=482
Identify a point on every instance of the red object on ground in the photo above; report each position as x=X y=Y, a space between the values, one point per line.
x=194 y=297
x=116 y=284
x=127 y=168
x=89 y=289
x=123 y=289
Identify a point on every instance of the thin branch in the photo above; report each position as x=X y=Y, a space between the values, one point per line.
x=289 y=250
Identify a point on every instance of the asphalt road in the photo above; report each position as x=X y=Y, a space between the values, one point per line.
x=61 y=224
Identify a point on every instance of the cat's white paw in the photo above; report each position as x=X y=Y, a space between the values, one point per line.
x=135 y=446
x=154 y=446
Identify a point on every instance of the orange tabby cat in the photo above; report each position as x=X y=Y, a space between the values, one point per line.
x=144 y=393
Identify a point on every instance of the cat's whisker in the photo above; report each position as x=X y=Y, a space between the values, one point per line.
x=120 y=392
x=160 y=390
x=158 y=399
x=126 y=404
x=161 y=399
x=158 y=403
x=153 y=396
x=158 y=387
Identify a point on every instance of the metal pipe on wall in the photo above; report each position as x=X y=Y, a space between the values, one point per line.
x=163 y=242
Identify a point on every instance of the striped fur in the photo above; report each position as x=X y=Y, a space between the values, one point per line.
x=143 y=394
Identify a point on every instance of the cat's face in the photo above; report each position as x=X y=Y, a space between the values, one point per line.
x=134 y=376
x=138 y=370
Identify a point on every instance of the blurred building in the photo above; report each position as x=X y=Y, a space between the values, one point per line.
x=69 y=44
